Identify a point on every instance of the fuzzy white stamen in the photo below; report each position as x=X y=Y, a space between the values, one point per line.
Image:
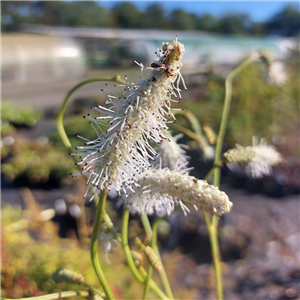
x=171 y=153
x=132 y=120
x=257 y=160
x=162 y=189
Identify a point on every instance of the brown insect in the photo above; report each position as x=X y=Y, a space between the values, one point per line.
x=155 y=65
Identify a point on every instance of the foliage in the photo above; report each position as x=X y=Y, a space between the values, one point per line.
x=36 y=162
x=265 y=110
x=155 y=12
x=126 y=15
x=181 y=20
x=285 y=22
x=13 y=116
x=235 y=23
x=74 y=125
x=29 y=262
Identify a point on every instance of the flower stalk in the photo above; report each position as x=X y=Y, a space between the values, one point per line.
x=152 y=235
x=94 y=245
x=150 y=268
x=137 y=273
x=62 y=110
x=59 y=295
x=197 y=134
x=212 y=223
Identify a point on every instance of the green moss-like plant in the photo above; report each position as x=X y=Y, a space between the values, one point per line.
x=36 y=162
x=18 y=116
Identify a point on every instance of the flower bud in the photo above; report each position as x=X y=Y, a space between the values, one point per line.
x=152 y=258
x=67 y=276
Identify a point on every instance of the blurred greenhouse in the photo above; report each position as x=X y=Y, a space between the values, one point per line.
x=35 y=58
x=64 y=52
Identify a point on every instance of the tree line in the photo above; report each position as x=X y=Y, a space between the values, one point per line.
x=126 y=15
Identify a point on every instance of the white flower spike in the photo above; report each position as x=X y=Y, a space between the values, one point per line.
x=121 y=153
x=162 y=189
x=258 y=159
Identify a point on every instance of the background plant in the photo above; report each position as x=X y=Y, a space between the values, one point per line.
x=291 y=111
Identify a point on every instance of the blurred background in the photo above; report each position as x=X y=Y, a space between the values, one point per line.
x=50 y=46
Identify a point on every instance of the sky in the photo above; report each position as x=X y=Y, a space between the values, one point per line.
x=259 y=11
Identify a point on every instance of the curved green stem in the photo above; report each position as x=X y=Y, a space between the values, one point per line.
x=126 y=248
x=154 y=286
x=226 y=109
x=147 y=226
x=61 y=130
x=162 y=272
x=197 y=133
x=147 y=282
x=211 y=171
x=59 y=121
x=217 y=171
x=94 y=245
x=59 y=295
x=131 y=264
x=153 y=246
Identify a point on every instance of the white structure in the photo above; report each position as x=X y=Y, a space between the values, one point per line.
x=33 y=57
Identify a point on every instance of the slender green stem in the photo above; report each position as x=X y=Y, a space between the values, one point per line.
x=94 y=245
x=126 y=248
x=211 y=171
x=162 y=272
x=154 y=233
x=59 y=121
x=153 y=246
x=147 y=226
x=97 y=291
x=59 y=295
x=163 y=276
x=108 y=221
x=213 y=224
x=131 y=264
x=147 y=282
x=187 y=132
x=226 y=109
x=197 y=133
x=154 y=286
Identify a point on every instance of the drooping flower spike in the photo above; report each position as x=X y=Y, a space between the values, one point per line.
x=162 y=189
x=120 y=154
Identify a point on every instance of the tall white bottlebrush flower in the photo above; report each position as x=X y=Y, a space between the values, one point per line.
x=257 y=159
x=162 y=189
x=121 y=153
